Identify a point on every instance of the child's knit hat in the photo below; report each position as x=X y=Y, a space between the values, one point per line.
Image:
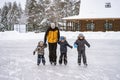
x=81 y=35
x=40 y=42
x=62 y=38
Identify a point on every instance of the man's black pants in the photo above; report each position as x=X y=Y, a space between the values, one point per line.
x=52 y=52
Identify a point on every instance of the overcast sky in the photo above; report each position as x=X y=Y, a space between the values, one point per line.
x=18 y=1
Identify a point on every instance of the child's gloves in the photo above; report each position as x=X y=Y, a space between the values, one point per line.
x=58 y=42
x=34 y=53
x=75 y=45
x=89 y=46
x=71 y=47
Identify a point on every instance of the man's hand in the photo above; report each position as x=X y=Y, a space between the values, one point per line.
x=45 y=44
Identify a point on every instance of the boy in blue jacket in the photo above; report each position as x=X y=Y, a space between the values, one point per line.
x=81 y=42
x=63 y=50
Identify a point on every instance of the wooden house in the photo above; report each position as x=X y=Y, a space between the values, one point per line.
x=95 y=15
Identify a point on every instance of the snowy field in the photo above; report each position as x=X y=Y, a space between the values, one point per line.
x=18 y=63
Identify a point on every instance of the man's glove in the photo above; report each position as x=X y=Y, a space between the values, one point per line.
x=45 y=44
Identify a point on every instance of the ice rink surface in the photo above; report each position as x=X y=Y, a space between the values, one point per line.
x=18 y=63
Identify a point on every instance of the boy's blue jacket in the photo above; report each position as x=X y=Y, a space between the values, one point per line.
x=63 y=46
x=81 y=44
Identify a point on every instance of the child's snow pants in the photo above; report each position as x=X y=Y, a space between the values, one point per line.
x=40 y=57
x=63 y=56
x=81 y=54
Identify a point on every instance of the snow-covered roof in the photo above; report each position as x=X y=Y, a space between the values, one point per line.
x=98 y=9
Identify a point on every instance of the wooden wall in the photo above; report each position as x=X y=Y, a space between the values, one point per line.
x=99 y=25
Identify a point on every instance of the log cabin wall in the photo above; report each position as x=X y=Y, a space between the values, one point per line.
x=99 y=25
x=116 y=25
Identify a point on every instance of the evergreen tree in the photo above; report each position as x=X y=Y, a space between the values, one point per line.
x=44 y=11
x=75 y=7
x=9 y=5
x=40 y=16
x=10 y=14
x=0 y=14
x=20 y=11
x=27 y=6
x=14 y=15
x=32 y=14
x=4 y=13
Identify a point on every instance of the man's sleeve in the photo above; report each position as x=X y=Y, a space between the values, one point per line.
x=45 y=37
x=58 y=34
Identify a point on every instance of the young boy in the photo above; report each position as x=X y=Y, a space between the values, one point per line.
x=40 y=52
x=63 y=50
x=81 y=42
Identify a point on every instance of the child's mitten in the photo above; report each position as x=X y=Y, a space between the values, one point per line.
x=34 y=53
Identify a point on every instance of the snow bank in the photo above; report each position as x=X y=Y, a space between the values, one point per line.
x=92 y=35
x=13 y=35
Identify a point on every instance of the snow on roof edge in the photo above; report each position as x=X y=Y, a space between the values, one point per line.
x=82 y=18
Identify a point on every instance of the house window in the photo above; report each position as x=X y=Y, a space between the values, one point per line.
x=108 y=26
x=77 y=26
x=108 y=5
x=90 y=26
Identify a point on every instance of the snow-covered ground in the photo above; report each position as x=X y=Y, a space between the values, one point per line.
x=13 y=35
x=18 y=63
